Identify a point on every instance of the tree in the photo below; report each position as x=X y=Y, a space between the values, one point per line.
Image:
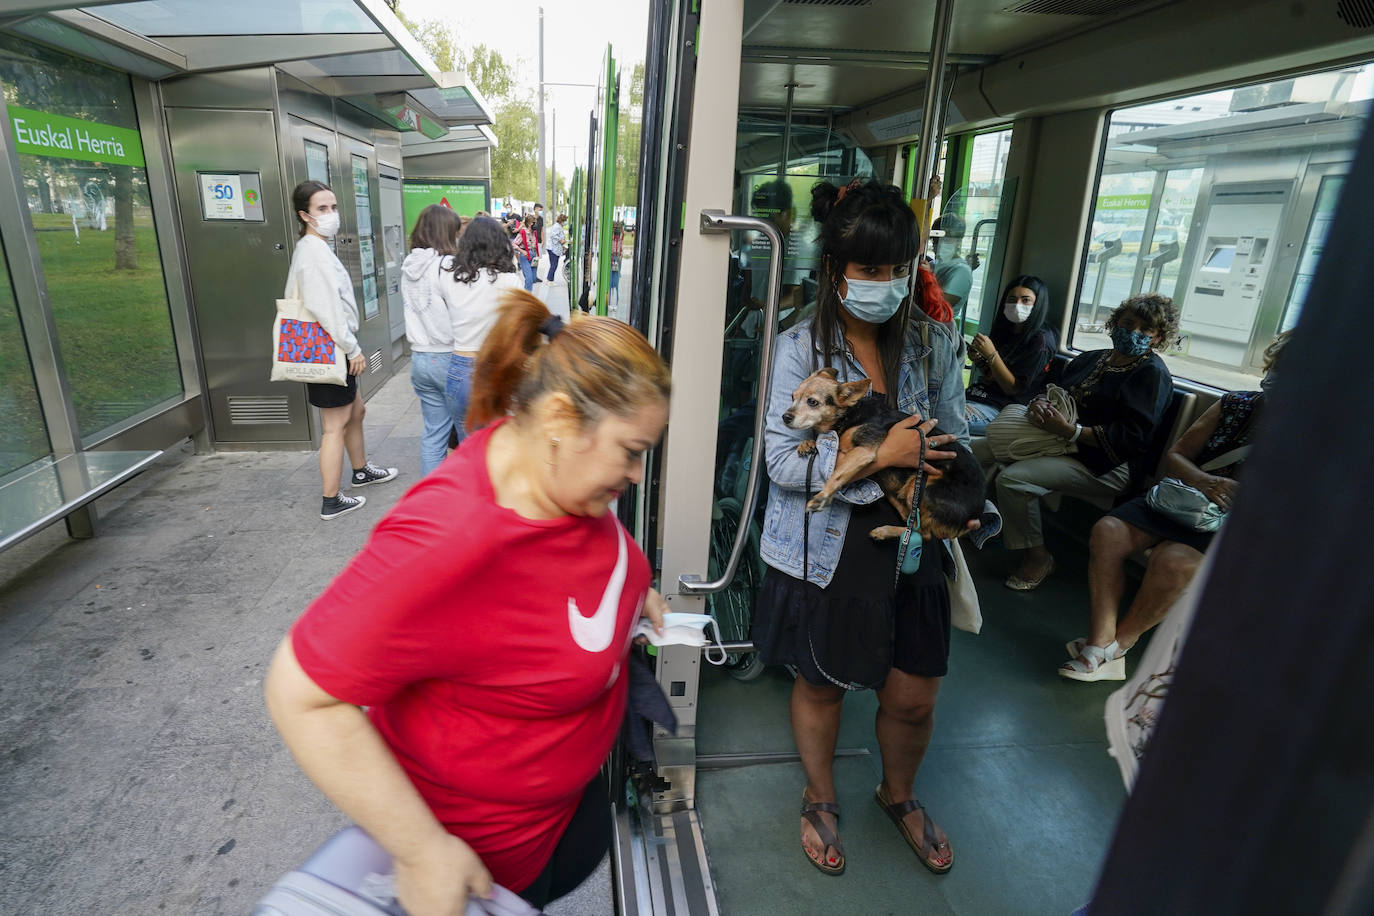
x=439 y=39
x=627 y=140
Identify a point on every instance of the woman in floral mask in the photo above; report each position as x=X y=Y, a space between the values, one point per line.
x=1121 y=395
x=829 y=605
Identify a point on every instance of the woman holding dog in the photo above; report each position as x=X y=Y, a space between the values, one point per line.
x=1121 y=395
x=828 y=604
x=486 y=626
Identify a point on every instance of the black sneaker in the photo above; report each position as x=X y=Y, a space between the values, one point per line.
x=370 y=473
x=334 y=506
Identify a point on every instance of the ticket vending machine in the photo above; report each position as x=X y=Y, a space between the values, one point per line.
x=1232 y=262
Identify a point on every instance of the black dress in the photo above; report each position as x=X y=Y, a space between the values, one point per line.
x=851 y=633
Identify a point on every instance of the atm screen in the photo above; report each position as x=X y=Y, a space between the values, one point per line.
x=1220 y=258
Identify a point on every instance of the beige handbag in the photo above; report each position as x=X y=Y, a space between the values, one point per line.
x=1012 y=437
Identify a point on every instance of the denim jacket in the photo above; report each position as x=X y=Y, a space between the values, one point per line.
x=940 y=396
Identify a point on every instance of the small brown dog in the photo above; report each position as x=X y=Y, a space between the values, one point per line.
x=822 y=403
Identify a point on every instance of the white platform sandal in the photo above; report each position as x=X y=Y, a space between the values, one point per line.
x=1096 y=663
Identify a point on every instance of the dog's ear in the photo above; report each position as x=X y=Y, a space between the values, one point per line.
x=829 y=373
x=850 y=393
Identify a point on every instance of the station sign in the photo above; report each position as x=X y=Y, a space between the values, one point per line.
x=462 y=197
x=42 y=134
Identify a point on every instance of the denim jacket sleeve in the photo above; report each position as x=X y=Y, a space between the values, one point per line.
x=786 y=468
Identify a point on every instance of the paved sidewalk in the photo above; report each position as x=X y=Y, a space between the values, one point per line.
x=140 y=771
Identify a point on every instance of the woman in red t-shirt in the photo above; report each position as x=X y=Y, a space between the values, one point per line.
x=486 y=626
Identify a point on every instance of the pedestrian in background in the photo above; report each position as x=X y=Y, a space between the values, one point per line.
x=426 y=289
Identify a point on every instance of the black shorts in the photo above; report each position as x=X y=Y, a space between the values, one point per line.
x=332 y=395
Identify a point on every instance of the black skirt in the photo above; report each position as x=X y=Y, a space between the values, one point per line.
x=332 y=395
x=1138 y=513
x=853 y=631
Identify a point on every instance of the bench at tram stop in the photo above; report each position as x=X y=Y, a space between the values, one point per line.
x=62 y=489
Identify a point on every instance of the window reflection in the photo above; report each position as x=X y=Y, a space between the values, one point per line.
x=81 y=157
x=23 y=434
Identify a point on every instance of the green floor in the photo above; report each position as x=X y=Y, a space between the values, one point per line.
x=1017 y=773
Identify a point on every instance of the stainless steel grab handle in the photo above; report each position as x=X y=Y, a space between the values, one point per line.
x=720 y=221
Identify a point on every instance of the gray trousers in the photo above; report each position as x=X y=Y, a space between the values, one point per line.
x=1022 y=485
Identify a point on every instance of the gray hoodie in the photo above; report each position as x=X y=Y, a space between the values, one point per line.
x=426 y=287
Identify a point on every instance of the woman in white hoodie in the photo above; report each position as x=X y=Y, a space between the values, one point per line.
x=323 y=284
x=426 y=285
x=484 y=271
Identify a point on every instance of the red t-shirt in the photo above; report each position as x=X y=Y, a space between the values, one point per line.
x=491 y=649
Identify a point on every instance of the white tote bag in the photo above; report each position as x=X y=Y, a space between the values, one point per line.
x=965 y=613
x=302 y=350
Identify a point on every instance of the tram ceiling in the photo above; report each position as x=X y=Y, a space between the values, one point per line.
x=856 y=54
x=981 y=27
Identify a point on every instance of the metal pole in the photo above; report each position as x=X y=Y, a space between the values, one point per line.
x=553 y=163
x=787 y=132
x=542 y=188
x=933 y=121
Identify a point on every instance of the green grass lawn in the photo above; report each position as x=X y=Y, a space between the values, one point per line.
x=113 y=326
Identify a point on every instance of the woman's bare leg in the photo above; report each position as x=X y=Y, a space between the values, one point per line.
x=816 y=714
x=905 y=721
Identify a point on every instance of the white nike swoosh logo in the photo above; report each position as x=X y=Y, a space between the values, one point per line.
x=594 y=633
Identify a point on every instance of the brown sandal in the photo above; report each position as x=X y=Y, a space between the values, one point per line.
x=811 y=811
x=925 y=850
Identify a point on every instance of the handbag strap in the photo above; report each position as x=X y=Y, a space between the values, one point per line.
x=1227 y=458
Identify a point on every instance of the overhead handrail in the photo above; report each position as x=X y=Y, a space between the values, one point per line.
x=715 y=221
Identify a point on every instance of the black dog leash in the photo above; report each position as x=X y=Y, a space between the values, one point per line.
x=905 y=555
x=806 y=520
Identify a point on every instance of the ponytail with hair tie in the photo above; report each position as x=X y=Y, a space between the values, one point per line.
x=600 y=364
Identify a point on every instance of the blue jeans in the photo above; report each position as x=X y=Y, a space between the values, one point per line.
x=429 y=378
x=458 y=391
x=979 y=415
x=553 y=265
x=527 y=269
x=615 y=286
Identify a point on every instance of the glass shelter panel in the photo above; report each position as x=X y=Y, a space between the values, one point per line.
x=23 y=434
x=1221 y=201
x=81 y=156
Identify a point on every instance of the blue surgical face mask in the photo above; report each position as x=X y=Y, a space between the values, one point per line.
x=1130 y=343
x=875 y=301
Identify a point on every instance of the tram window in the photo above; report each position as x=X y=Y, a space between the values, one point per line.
x=1220 y=200
x=980 y=164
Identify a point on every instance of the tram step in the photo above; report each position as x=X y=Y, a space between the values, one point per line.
x=660 y=865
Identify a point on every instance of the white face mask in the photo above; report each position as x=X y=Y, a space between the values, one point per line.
x=682 y=629
x=1018 y=312
x=327 y=225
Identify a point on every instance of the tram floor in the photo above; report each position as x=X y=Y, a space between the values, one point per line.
x=1017 y=773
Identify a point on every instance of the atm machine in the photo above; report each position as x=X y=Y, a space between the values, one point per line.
x=1232 y=261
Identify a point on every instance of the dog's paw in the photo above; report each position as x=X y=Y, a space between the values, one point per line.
x=807 y=448
x=886 y=532
x=818 y=502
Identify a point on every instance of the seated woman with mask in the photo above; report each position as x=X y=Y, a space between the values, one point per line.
x=1121 y=395
x=1014 y=360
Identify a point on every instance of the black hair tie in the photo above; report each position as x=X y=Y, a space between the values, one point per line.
x=552 y=327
